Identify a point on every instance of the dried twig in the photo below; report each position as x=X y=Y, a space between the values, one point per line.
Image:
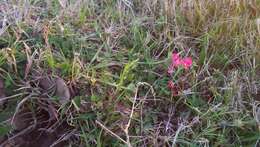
x=126 y=130
x=112 y=133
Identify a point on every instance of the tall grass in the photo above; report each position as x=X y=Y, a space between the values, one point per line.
x=114 y=55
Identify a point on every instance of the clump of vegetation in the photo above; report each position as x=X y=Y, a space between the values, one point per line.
x=129 y=73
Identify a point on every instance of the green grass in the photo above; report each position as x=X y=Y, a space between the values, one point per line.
x=114 y=55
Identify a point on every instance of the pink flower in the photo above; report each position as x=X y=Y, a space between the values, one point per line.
x=178 y=61
x=186 y=62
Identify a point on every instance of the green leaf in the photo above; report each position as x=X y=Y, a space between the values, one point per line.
x=126 y=74
x=94 y=98
x=4 y=129
x=77 y=100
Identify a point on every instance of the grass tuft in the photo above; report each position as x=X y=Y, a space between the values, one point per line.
x=108 y=60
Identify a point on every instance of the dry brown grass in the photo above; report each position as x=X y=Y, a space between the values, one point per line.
x=103 y=50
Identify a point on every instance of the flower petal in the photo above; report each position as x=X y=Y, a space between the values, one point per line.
x=186 y=62
x=176 y=60
x=171 y=85
x=170 y=69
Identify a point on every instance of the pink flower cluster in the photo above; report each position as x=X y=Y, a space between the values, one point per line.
x=177 y=61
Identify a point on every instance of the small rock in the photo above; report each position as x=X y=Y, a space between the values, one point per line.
x=62 y=91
